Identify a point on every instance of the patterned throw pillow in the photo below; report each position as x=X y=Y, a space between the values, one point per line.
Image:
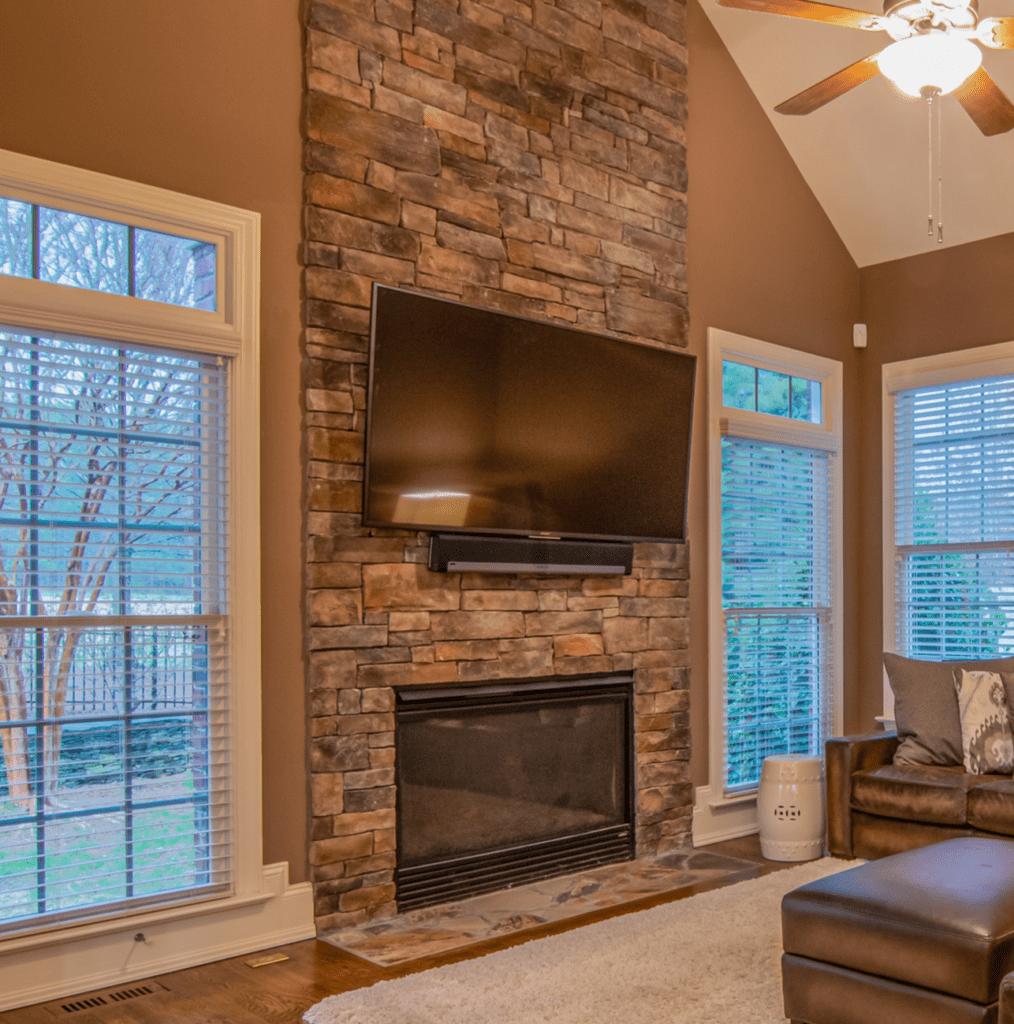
x=986 y=739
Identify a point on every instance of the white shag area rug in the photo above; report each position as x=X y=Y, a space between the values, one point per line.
x=711 y=959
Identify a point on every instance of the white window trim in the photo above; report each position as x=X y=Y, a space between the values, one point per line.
x=263 y=909
x=717 y=817
x=946 y=368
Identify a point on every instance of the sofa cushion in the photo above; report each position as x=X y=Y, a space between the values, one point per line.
x=986 y=743
x=874 y=837
x=991 y=805
x=933 y=794
x=926 y=707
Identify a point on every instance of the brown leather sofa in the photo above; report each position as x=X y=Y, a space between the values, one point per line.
x=1006 y=1015
x=876 y=808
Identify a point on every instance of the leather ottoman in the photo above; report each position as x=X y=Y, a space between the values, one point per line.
x=923 y=937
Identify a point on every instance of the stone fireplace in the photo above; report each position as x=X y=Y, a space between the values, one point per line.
x=524 y=155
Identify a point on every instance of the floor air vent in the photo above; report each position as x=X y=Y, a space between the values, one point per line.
x=105 y=998
x=130 y=993
x=83 y=1004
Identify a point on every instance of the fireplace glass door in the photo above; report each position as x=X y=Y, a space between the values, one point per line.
x=510 y=782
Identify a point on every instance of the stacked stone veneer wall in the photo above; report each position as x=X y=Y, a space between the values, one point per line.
x=521 y=155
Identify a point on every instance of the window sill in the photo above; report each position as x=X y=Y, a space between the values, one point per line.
x=733 y=801
x=73 y=931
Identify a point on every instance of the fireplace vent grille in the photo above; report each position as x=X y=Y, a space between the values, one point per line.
x=474 y=875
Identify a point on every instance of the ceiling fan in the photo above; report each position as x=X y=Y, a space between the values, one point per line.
x=933 y=53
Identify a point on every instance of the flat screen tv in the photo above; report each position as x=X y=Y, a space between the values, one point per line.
x=483 y=422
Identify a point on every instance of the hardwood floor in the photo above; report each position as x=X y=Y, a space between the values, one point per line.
x=232 y=992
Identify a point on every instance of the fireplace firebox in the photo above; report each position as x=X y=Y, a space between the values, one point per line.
x=511 y=782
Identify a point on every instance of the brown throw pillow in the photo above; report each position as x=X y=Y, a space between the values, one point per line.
x=986 y=741
x=926 y=707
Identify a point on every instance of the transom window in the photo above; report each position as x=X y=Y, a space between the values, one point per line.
x=105 y=256
x=770 y=391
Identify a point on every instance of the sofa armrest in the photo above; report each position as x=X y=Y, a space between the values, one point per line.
x=846 y=755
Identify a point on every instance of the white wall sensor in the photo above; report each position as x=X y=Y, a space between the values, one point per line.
x=859 y=335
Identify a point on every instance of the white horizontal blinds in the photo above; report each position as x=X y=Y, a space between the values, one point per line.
x=776 y=601
x=112 y=473
x=954 y=519
x=113 y=582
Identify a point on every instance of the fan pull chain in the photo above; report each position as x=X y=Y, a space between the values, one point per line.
x=940 y=174
x=935 y=155
x=929 y=161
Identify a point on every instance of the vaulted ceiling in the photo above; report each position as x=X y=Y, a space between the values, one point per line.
x=865 y=154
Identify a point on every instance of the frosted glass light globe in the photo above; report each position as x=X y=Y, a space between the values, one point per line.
x=933 y=62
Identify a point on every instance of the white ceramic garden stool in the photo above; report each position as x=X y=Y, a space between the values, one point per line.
x=790 y=807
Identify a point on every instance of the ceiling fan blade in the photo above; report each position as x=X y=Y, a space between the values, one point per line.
x=1002 y=35
x=848 y=17
x=831 y=87
x=985 y=103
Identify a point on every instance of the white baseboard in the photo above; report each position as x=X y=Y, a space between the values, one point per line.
x=715 y=821
x=74 y=961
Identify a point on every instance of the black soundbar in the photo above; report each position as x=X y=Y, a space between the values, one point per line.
x=455 y=552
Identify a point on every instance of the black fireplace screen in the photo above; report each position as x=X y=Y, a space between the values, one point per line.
x=511 y=782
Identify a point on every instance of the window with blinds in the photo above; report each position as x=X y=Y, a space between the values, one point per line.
x=113 y=596
x=776 y=578
x=774 y=568
x=954 y=519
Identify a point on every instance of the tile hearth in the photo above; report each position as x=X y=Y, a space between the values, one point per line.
x=439 y=929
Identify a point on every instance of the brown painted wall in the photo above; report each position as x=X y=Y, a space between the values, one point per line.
x=764 y=261
x=942 y=301
x=202 y=98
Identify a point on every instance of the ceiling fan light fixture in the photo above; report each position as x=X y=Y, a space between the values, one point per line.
x=930 y=63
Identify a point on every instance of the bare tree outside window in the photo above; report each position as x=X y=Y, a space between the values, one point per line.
x=105 y=256
x=81 y=475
